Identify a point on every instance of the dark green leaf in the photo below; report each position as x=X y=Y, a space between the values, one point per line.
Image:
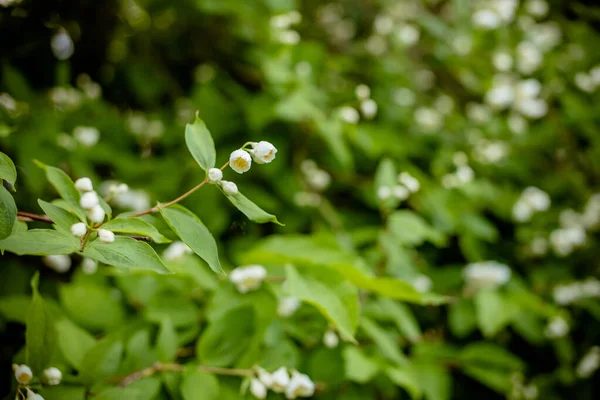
x=40 y=242
x=126 y=253
x=102 y=360
x=251 y=210
x=8 y=212
x=135 y=226
x=406 y=379
x=386 y=343
x=200 y=143
x=61 y=217
x=40 y=333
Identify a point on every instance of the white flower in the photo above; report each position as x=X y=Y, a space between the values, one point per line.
x=556 y=328
x=516 y=123
x=62 y=45
x=263 y=152
x=422 y=283
x=89 y=266
x=539 y=246
x=281 y=379
x=376 y=45
x=265 y=377
x=23 y=373
x=465 y=174
x=567 y=294
x=349 y=114
x=87 y=135
x=478 y=113
x=89 y=200
x=529 y=58
x=585 y=82
x=33 y=396
x=215 y=175
x=287 y=306
x=330 y=339
x=258 y=389
x=589 y=363
x=486 y=19
x=137 y=200
x=79 y=229
x=248 y=278
x=486 y=274
x=383 y=25
x=400 y=192
x=522 y=211
x=462 y=44
x=408 y=34
x=176 y=250
x=362 y=92
x=502 y=61
x=409 y=181
x=307 y=199
x=590 y=288
x=318 y=179
x=384 y=193
x=369 y=108
x=240 y=161
x=300 y=386
x=289 y=36
x=53 y=375
x=428 y=118
x=537 y=8
x=460 y=158
x=84 y=185
x=60 y=263
x=106 y=236
x=536 y=198
x=96 y=214
x=229 y=188
x=404 y=97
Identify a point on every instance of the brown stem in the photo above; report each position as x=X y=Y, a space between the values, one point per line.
x=25 y=216
x=160 y=367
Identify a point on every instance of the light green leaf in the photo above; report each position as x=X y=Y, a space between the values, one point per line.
x=200 y=143
x=488 y=355
x=358 y=367
x=412 y=230
x=102 y=360
x=386 y=174
x=461 y=318
x=126 y=253
x=167 y=341
x=198 y=385
x=14 y=308
x=61 y=217
x=194 y=233
x=402 y=317
x=386 y=344
x=8 y=172
x=434 y=381
x=8 y=212
x=64 y=392
x=118 y=393
x=73 y=342
x=492 y=311
x=40 y=333
x=251 y=210
x=327 y=292
x=406 y=379
x=64 y=186
x=495 y=379
x=135 y=226
x=40 y=242
x=91 y=305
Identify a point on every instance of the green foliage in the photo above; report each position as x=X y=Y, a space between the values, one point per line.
x=40 y=333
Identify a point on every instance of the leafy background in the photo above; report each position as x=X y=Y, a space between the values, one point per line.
x=160 y=61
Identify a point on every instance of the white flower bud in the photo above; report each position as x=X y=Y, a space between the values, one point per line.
x=400 y=192
x=122 y=188
x=369 y=108
x=62 y=45
x=31 y=395
x=60 y=263
x=362 y=92
x=288 y=306
x=229 y=188
x=349 y=115
x=84 y=185
x=300 y=386
x=258 y=389
x=106 y=236
x=384 y=193
x=409 y=181
x=89 y=266
x=264 y=376
x=96 y=214
x=263 y=152
x=248 y=278
x=281 y=380
x=53 y=375
x=330 y=339
x=79 y=229
x=89 y=200
x=240 y=161
x=215 y=175
x=88 y=136
x=23 y=373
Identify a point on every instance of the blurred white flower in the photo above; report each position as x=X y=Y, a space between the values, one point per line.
x=545 y=35
x=591 y=212
x=478 y=113
x=330 y=339
x=229 y=188
x=557 y=327
x=569 y=218
x=263 y=152
x=258 y=389
x=60 y=263
x=424 y=79
x=362 y=92
x=444 y=104
x=539 y=246
x=303 y=69
x=89 y=266
x=87 y=135
x=281 y=380
x=465 y=174
x=490 y=151
x=31 y=395
x=307 y=199
x=537 y=8
x=522 y=211
x=408 y=34
x=536 y=198
x=462 y=44
x=486 y=19
x=505 y=9
x=384 y=193
x=383 y=24
x=53 y=375
x=516 y=123
x=400 y=192
x=215 y=175
x=106 y=236
x=502 y=61
x=248 y=278
x=409 y=181
x=287 y=306
x=569 y=293
x=529 y=58
x=564 y=241
x=422 y=283
x=300 y=385
x=585 y=82
x=376 y=45
x=62 y=45
x=7 y=102
x=595 y=74
x=289 y=37
x=349 y=114
x=368 y=108
x=589 y=363
x=428 y=119
x=65 y=98
x=318 y=180
x=459 y=158
x=265 y=377
x=240 y=161
x=176 y=250
x=486 y=274
x=404 y=97
x=84 y=185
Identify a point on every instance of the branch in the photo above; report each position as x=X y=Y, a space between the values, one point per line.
x=25 y=216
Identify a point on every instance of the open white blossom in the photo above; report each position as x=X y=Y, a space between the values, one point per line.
x=280 y=379
x=300 y=386
x=61 y=263
x=240 y=161
x=287 y=306
x=486 y=274
x=536 y=198
x=96 y=214
x=556 y=328
x=258 y=389
x=330 y=339
x=176 y=250
x=106 y=236
x=248 y=278
x=84 y=184
x=23 y=373
x=79 y=229
x=53 y=375
x=589 y=363
x=89 y=200
x=229 y=188
x=263 y=152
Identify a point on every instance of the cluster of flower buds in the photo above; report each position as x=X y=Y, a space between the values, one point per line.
x=91 y=203
x=23 y=375
x=407 y=184
x=486 y=274
x=248 y=278
x=280 y=381
x=531 y=200
x=317 y=180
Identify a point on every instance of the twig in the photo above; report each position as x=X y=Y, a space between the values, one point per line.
x=25 y=216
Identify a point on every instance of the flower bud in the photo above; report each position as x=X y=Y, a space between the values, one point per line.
x=248 y=278
x=61 y=263
x=281 y=379
x=300 y=385
x=53 y=375
x=89 y=266
x=89 y=200
x=229 y=188
x=106 y=236
x=330 y=339
x=215 y=175
x=79 y=229
x=288 y=306
x=84 y=185
x=258 y=389
x=23 y=373
x=263 y=152
x=96 y=214
x=240 y=161
x=31 y=395
x=264 y=376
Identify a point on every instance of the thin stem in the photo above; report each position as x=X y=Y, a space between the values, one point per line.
x=170 y=203
x=161 y=367
x=25 y=216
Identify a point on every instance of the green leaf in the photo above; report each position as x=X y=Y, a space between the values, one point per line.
x=200 y=143
x=64 y=392
x=412 y=230
x=102 y=360
x=61 y=217
x=64 y=186
x=14 y=308
x=167 y=341
x=40 y=242
x=40 y=333
x=358 y=367
x=488 y=355
x=493 y=312
x=497 y=380
x=327 y=292
x=135 y=226
x=194 y=233
x=118 y=393
x=461 y=318
x=434 y=381
x=8 y=212
x=406 y=379
x=15 y=83
x=251 y=210
x=126 y=253
x=227 y=337
x=402 y=317
x=198 y=385
x=73 y=342
x=8 y=172
x=386 y=344
x=91 y=305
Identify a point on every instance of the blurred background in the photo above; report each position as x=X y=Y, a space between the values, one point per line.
x=445 y=142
